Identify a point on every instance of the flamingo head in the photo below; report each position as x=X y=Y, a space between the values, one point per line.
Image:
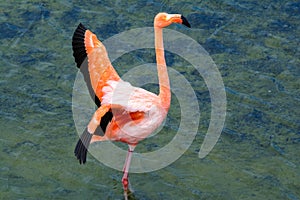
x=162 y=20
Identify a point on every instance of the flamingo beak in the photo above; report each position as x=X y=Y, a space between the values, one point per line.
x=185 y=21
x=177 y=18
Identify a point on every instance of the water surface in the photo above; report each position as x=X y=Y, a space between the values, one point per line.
x=255 y=45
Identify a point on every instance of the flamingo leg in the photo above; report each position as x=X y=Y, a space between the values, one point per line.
x=125 y=180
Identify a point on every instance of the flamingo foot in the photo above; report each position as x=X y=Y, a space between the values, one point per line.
x=125 y=183
x=128 y=192
x=125 y=180
x=125 y=187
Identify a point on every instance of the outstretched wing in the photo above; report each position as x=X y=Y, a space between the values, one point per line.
x=92 y=60
x=89 y=53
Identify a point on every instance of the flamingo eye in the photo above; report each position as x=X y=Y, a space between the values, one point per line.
x=167 y=18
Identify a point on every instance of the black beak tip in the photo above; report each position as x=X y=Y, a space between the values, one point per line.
x=185 y=21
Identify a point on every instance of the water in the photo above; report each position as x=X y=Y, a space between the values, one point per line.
x=255 y=45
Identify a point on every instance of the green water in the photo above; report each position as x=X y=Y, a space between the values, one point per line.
x=255 y=45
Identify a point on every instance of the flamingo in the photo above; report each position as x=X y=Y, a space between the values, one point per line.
x=125 y=113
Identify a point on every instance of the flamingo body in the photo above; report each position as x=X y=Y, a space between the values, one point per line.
x=137 y=112
x=125 y=113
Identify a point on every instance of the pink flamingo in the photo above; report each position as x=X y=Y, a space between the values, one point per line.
x=125 y=113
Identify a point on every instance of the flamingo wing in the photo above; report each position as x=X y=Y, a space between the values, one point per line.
x=92 y=60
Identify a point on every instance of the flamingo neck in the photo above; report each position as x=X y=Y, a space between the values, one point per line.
x=163 y=77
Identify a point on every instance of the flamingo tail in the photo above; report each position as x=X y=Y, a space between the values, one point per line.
x=82 y=146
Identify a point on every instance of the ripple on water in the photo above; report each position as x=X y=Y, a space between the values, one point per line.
x=255 y=49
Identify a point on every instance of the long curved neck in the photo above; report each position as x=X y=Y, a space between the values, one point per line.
x=163 y=78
